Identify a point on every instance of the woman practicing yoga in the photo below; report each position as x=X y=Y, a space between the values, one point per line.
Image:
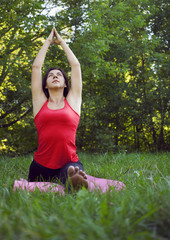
x=56 y=111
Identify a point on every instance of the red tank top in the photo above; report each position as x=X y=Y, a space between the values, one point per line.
x=56 y=136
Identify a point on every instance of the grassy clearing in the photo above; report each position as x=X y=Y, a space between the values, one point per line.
x=142 y=211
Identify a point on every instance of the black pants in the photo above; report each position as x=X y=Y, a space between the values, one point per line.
x=40 y=173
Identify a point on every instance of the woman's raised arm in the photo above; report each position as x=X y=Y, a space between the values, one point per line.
x=38 y=96
x=75 y=94
x=36 y=80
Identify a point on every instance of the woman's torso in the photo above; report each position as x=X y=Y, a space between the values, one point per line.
x=56 y=136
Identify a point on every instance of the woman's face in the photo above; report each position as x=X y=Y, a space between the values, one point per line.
x=55 y=79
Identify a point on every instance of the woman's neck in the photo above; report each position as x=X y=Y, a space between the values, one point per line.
x=56 y=97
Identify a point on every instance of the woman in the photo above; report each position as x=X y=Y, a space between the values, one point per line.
x=56 y=113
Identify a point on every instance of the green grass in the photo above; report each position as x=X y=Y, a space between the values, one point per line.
x=142 y=211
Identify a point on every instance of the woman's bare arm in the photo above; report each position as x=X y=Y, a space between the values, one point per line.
x=75 y=94
x=36 y=81
x=38 y=96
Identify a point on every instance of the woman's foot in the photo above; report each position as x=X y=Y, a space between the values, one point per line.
x=77 y=178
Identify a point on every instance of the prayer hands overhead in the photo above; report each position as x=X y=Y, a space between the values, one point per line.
x=54 y=37
x=58 y=39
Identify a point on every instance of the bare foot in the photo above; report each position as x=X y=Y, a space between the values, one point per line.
x=77 y=178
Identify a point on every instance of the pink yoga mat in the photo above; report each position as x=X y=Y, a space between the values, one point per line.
x=94 y=184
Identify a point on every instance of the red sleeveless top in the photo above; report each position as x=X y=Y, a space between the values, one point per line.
x=56 y=136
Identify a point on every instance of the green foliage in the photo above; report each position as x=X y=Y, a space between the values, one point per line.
x=123 y=48
x=21 y=33
x=127 y=95
x=142 y=211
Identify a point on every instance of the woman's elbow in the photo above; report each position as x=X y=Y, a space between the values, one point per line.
x=76 y=64
x=36 y=66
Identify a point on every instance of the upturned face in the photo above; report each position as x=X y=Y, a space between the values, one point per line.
x=55 y=79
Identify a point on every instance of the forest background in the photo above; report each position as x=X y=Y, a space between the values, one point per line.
x=123 y=49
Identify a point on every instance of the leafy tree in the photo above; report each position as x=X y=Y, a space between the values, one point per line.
x=123 y=48
x=21 y=32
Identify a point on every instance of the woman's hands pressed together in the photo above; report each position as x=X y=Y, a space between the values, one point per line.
x=54 y=37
